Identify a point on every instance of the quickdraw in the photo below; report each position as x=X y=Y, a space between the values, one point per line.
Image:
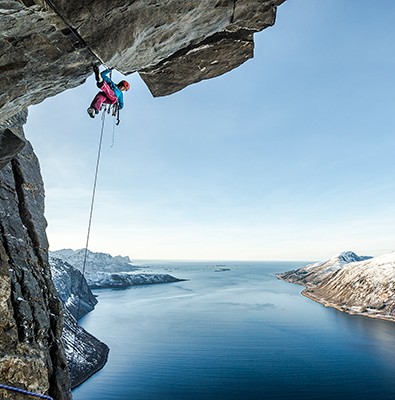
x=112 y=109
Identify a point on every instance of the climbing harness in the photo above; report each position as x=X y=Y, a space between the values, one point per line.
x=25 y=392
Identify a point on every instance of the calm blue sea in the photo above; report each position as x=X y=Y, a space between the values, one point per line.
x=234 y=331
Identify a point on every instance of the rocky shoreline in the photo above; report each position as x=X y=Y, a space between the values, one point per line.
x=363 y=286
x=79 y=380
x=86 y=354
x=306 y=293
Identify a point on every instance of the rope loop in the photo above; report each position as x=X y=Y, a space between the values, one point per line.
x=25 y=392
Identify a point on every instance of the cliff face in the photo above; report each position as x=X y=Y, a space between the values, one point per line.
x=85 y=353
x=48 y=46
x=72 y=288
x=31 y=353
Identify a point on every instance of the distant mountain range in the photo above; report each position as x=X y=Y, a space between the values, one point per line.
x=350 y=283
x=95 y=262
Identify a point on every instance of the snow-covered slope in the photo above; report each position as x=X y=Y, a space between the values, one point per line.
x=317 y=272
x=72 y=288
x=365 y=287
x=95 y=262
x=126 y=279
x=85 y=353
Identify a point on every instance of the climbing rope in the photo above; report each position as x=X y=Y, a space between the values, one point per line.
x=93 y=196
x=25 y=392
x=88 y=236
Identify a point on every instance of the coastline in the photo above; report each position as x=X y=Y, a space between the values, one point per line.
x=81 y=377
x=308 y=293
x=326 y=303
x=122 y=286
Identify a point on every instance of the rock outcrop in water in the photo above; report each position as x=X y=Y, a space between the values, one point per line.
x=350 y=283
x=48 y=46
x=127 y=279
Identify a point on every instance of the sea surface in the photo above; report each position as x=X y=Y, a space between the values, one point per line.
x=234 y=331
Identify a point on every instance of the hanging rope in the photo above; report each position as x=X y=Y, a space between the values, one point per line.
x=115 y=113
x=88 y=236
x=25 y=392
x=93 y=193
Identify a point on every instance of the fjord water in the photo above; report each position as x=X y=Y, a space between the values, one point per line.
x=234 y=331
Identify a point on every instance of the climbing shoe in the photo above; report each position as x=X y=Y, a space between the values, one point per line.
x=92 y=112
x=98 y=76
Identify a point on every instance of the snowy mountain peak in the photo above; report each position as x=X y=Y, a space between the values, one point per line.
x=346 y=257
x=317 y=272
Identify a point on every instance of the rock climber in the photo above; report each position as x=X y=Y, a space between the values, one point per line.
x=110 y=92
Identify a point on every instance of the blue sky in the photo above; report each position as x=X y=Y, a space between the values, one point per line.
x=288 y=157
